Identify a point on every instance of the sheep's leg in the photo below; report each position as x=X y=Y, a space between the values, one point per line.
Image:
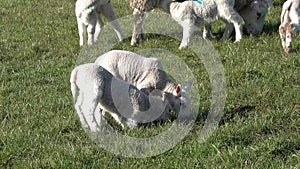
x=78 y=105
x=207 y=32
x=91 y=27
x=109 y=13
x=81 y=31
x=89 y=108
x=99 y=28
x=231 y=16
x=187 y=32
x=228 y=31
x=137 y=28
x=282 y=35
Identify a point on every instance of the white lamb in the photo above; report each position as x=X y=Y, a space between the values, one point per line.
x=147 y=74
x=89 y=20
x=91 y=85
x=254 y=13
x=192 y=13
x=290 y=23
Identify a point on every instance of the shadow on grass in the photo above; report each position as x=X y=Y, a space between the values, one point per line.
x=241 y=111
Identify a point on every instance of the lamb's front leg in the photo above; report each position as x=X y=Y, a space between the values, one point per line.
x=137 y=28
x=282 y=35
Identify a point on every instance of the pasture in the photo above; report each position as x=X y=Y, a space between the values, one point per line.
x=39 y=128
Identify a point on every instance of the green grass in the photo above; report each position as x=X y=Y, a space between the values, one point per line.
x=39 y=128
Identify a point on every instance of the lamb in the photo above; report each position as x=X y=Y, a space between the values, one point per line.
x=89 y=19
x=147 y=74
x=190 y=13
x=290 y=18
x=91 y=85
x=254 y=13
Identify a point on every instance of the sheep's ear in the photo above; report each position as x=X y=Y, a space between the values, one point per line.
x=177 y=90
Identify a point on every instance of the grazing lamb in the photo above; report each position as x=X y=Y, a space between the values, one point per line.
x=147 y=74
x=91 y=85
x=290 y=23
x=254 y=13
x=89 y=19
x=192 y=13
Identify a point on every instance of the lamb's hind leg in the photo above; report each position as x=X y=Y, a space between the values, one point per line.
x=109 y=13
x=89 y=109
x=79 y=111
x=81 y=31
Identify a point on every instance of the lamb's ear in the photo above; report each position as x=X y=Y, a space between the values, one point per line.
x=177 y=90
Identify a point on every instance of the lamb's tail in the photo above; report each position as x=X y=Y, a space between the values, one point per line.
x=74 y=87
x=85 y=15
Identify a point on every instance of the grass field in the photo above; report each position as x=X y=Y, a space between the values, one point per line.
x=39 y=128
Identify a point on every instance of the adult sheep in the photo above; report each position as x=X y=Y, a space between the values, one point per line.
x=89 y=20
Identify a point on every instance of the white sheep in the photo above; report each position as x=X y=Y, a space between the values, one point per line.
x=147 y=74
x=191 y=13
x=89 y=20
x=254 y=13
x=290 y=23
x=91 y=85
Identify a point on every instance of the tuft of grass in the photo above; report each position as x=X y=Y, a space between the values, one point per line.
x=39 y=128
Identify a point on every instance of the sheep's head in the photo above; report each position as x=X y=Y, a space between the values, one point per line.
x=179 y=100
x=288 y=38
x=254 y=16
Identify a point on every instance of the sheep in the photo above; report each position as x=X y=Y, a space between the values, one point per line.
x=139 y=8
x=147 y=74
x=190 y=13
x=290 y=18
x=253 y=13
x=89 y=19
x=92 y=84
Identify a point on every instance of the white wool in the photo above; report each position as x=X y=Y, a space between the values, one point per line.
x=190 y=14
x=147 y=74
x=89 y=19
x=290 y=23
x=95 y=85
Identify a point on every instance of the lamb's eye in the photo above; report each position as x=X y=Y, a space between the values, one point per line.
x=258 y=15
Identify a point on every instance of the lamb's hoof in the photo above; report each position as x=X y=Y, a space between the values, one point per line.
x=182 y=47
x=236 y=41
x=287 y=50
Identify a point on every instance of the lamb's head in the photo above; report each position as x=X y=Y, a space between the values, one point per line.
x=288 y=38
x=254 y=16
x=179 y=100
